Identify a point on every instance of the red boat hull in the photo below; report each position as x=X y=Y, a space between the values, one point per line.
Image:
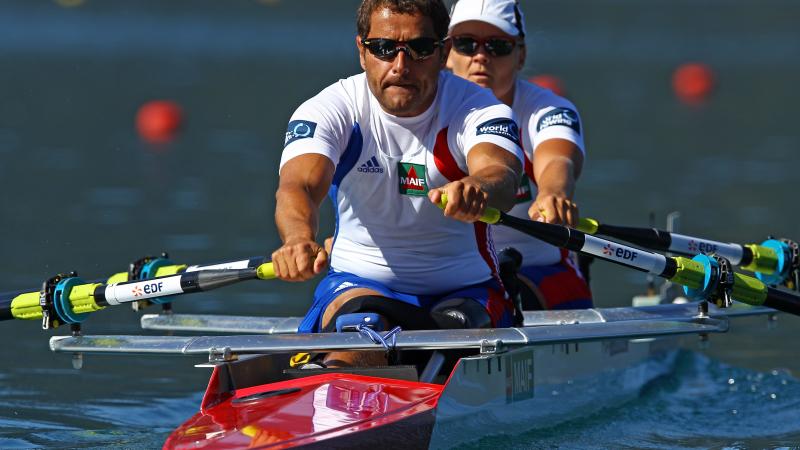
x=329 y=410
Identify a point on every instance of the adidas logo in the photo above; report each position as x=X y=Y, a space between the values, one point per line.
x=371 y=166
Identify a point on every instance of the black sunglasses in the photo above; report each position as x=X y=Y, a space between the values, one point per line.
x=495 y=46
x=387 y=49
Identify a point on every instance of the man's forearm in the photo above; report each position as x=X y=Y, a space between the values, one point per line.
x=296 y=214
x=500 y=184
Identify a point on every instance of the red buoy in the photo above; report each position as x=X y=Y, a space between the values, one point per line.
x=158 y=121
x=551 y=82
x=693 y=83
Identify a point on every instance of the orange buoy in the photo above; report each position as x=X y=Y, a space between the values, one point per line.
x=551 y=82
x=693 y=83
x=158 y=121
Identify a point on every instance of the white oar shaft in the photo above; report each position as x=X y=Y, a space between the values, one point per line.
x=688 y=245
x=623 y=254
x=116 y=294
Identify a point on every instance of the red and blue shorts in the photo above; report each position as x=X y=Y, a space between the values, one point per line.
x=489 y=293
x=560 y=285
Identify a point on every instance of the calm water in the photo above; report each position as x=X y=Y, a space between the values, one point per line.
x=81 y=192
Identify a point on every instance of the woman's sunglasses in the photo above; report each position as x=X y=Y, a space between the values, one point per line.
x=495 y=46
x=387 y=49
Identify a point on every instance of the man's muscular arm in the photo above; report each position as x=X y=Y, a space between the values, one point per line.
x=494 y=174
x=304 y=181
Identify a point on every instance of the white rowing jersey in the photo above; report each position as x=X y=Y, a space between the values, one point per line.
x=387 y=230
x=542 y=115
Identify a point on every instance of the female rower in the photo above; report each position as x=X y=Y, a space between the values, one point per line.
x=488 y=48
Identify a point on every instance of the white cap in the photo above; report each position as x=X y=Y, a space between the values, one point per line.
x=504 y=14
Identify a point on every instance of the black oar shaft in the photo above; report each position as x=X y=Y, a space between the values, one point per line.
x=559 y=236
x=5 y=309
x=578 y=241
x=646 y=237
x=782 y=301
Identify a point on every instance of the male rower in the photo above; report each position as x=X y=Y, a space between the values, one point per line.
x=386 y=145
x=488 y=47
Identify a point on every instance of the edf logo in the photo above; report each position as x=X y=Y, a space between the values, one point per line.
x=621 y=253
x=707 y=248
x=153 y=288
x=702 y=247
x=624 y=253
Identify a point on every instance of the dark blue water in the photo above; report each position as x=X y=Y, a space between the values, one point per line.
x=80 y=191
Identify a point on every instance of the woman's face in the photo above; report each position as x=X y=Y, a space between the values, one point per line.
x=486 y=67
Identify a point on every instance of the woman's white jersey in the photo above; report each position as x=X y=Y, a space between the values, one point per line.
x=387 y=229
x=542 y=115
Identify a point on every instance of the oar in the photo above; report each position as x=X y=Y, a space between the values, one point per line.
x=157 y=266
x=68 y=299
x=774 y=261
x=704 y=277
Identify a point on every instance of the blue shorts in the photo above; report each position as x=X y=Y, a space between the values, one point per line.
x=489 y=293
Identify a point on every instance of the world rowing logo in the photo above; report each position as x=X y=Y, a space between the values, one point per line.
x=503 y=127
x=560 y=116
x=137 y=291
x=608 y=250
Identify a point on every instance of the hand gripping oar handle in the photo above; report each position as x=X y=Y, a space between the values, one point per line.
x=762 y=259
x=73 y=299
x=693 y=274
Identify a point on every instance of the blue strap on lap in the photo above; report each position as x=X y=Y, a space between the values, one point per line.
x=369 y=325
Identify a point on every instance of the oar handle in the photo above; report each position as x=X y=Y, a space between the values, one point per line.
x=587 y=225
x=490 y=215
x=265 y=271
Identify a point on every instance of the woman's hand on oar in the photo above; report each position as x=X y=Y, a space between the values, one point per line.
x=554 y=208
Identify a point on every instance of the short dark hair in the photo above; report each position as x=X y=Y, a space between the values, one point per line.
x=434 y=9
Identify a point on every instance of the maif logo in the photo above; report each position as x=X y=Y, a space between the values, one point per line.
x=412 y=179
x=524 y=190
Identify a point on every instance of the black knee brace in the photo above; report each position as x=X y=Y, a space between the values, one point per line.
x=460 y=313
x=409 y=317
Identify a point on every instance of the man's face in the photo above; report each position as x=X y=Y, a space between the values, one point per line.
x=497 y=73
x=404 y=87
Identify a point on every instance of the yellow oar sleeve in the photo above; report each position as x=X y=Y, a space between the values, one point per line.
x=765 y=260
x=690 y=273
x=26 y=306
